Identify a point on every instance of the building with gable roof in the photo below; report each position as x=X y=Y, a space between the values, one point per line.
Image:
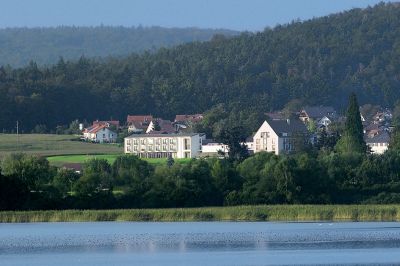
x=279 y=136
x=379 y=143
x=138 y=123
x=99 y=133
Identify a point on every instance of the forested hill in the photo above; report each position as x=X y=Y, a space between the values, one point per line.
x=18 y=46
x=319 y=61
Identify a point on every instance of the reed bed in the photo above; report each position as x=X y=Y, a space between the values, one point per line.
x=236 y=213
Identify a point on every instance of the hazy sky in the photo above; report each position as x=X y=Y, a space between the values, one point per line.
x=231 y=14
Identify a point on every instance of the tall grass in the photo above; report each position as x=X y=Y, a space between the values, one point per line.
x=237 y=213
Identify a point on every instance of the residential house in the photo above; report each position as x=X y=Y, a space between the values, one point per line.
x=372 y=130
x=378 y=143
x=188 y=119
x=213 y=148
x=164 y=145
x=184 y=123
x=100 y=134
x=160 y=126
x=279 y=136
x=323 y=116
x=138 y=123
x=112 y=123
x=250 y=144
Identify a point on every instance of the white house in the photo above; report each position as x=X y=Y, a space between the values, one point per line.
x=164 y=145
x=100 y=134
x=213 y=148
x=278 y=136
x=379 y=143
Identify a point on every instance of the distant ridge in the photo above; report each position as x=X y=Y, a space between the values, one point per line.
x=319 y=62
x=18 y=46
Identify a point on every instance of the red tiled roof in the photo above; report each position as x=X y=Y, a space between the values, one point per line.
x=94 y=129
x=139 y=118
x=110 y=122
x=189 y=118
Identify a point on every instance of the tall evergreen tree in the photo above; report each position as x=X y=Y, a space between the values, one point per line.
x=352 y=139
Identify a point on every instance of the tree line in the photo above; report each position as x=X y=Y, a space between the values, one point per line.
x=45 y=45
x=28 y=182
x=317 y=61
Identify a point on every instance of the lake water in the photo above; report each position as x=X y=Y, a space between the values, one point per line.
x=199 y=243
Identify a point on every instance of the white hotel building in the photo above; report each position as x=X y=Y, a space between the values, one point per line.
x=163 y=145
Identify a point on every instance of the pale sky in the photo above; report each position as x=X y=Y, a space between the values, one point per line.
x=252 y=15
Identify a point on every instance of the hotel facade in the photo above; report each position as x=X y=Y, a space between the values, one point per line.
x=163 y=145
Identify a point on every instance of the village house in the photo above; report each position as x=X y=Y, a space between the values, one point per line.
x=185 y=123
x=160 y=126
x=164 y=145
x=138 y=123
x=379 y=143
x=279 y=136
x=109 y=123
x=99 y=133
x=323 y=116
x=213 y=148
x=188 y=119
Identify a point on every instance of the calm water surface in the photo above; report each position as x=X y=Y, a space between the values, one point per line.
x=203 y=243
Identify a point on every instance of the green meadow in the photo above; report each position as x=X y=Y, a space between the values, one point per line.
x=236 y=213
x=51 y=144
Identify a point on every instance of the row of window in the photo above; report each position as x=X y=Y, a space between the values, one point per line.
x=150 y=141
x=151 y=148
x=378 y=144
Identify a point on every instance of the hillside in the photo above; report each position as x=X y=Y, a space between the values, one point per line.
x=319 y=61
x=18 y=46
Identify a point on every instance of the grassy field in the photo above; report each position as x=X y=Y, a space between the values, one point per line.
x=63 y=159
x=237 y=213
x=48 y=144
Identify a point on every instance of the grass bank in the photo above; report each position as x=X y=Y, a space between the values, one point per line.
x=237 y=213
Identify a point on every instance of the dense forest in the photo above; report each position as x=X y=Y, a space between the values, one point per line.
x=18 y=46
x=319 y=61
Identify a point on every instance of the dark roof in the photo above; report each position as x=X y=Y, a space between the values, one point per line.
x=208 y=141
x=166 y=127
x=249 y=139
x=287 y=126
x=372 y=127
x=319 y=111
x=382 y=137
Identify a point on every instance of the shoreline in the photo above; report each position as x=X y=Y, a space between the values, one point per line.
x=272 y=213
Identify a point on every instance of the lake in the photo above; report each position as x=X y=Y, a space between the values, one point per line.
x=200 y=243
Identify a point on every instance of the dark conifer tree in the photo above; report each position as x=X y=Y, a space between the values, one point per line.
x=352 y=139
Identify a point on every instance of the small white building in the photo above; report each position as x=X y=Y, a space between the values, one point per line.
x=379 y=143
x=278 y=136
x=100 y=134
x=213 y=148
x=164 y=145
